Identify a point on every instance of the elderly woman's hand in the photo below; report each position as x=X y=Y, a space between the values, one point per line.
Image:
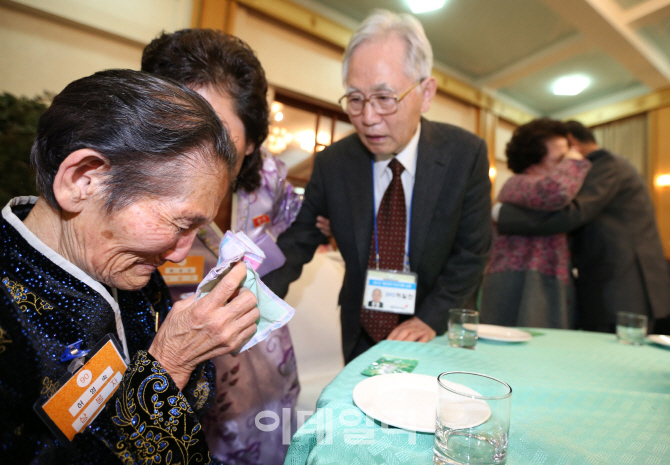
x=216 y=324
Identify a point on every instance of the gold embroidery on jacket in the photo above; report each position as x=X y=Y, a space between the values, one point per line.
x=4 y=340
x=154 y=427
x=50 y=387
x=201 y=392
x=24 y=298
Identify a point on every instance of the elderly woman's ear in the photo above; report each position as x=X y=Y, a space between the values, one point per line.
x=79 y=178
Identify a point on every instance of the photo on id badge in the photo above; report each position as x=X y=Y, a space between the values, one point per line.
x=390 y=291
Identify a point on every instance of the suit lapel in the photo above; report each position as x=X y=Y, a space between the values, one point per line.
x=358 y=182
x=431 y=168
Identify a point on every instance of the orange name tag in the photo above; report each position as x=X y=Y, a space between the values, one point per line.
x=261 y=220
x=76 y=404
x=188 y=271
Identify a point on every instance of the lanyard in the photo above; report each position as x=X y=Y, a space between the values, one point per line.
x=405 y=267
x=119 y=325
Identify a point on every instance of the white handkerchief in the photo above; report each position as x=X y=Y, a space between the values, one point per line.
x=275 y=313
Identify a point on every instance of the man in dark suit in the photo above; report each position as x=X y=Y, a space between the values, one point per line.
x=616 y=246
x=446 y=229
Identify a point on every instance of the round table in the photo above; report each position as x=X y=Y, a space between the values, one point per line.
x=578 y=398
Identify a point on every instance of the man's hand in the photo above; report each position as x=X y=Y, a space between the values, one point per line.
x=323 y=224
x=216 y=324
x=574 y=155
x=412 y=330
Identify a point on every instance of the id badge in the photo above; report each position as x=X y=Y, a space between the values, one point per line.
x=85 y=392
x=390 y=291
x=188 y=271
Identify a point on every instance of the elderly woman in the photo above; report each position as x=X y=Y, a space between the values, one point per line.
x=129 y=167
x=527 y=281
x=262 y=204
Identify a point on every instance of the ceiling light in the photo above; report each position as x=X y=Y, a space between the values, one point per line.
x=423 y=6
x=279 y=116
x=323 y=138
x=570 y=85
x=306 y=140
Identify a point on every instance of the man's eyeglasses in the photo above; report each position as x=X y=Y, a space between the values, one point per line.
x=383 y=103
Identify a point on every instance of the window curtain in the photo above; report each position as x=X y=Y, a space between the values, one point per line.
x=629 y=138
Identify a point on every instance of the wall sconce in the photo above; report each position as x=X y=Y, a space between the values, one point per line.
x=492 y=172
x=663 y=180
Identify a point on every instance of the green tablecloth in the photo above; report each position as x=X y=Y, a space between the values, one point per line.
x=578 y=398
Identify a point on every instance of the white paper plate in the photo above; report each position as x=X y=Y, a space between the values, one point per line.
x=659 y=339
x=409 y=401
x=502 y=333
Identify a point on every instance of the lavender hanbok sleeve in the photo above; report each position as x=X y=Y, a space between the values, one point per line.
x=551 y=192
x=286 y=202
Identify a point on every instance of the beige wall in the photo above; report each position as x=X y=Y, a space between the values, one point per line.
x=291 y=59
x=660 y=165
x=48 y=43
x=504 y=132
x=449 y=110
x=40 y=54
x=137 y=20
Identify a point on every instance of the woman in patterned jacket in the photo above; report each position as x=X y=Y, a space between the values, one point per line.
x=527 y=281
x=129 y=166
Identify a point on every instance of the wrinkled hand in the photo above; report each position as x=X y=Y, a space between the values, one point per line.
x=217 y=324
x=323 y=224
x=413 y=330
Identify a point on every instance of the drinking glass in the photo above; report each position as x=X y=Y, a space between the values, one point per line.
x=462 y=330
x=631 y=328
x=472 y=421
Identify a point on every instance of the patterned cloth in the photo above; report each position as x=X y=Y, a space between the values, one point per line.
x=527 y=280
x=46 y=303
x=390 y=239
x=265 y=377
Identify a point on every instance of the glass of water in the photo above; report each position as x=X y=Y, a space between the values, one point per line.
x=472 y=421
x=463 y=324
x=631 y=328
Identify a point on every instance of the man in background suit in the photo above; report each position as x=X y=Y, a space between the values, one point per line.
x=616 y=246
x=445 y=184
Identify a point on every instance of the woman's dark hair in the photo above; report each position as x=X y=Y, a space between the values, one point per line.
x=204 y=57
x=580 y=132
x=527 y=146
x=147 y=127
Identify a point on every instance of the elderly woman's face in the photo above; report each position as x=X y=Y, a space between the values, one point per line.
x=223 y=105
x=124 y=248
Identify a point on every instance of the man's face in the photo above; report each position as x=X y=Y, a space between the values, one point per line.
x=576 y=145
x=379 y=66
x=376 y=295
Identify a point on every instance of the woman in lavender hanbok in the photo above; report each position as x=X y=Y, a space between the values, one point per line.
x=251 y=421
